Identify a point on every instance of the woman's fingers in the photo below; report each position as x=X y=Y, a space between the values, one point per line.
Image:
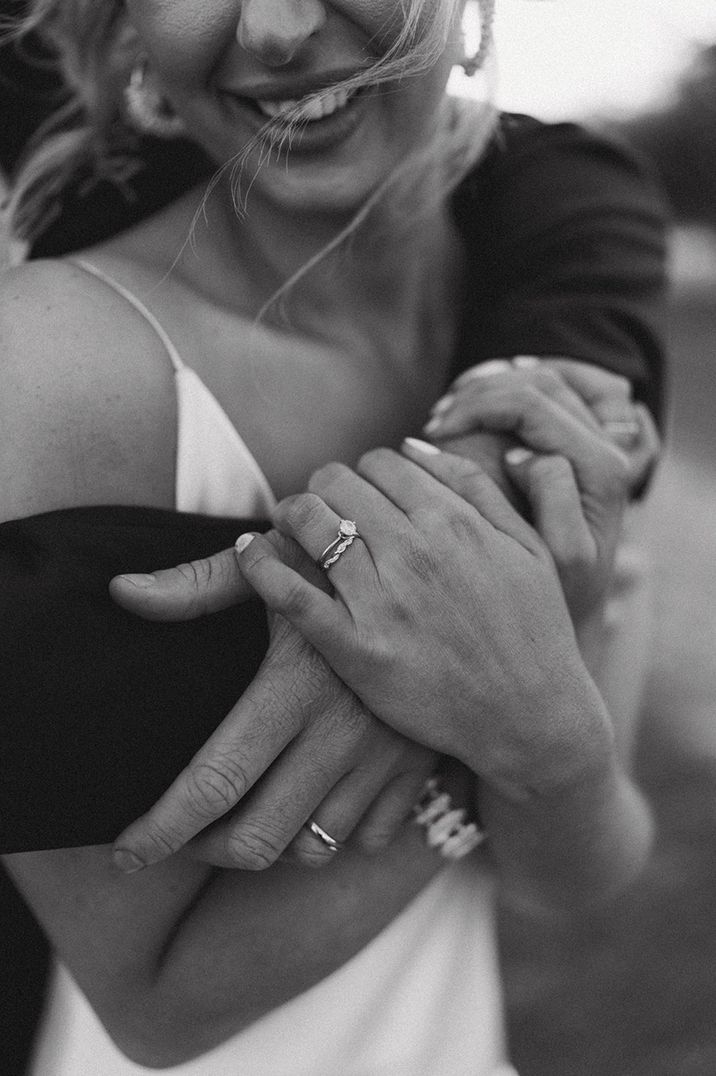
x=453 y=414
x=607 y=395
x=582 y=557
x=551 y=490
x=597 y=399
x=513 y=405
x=317 y=616
x=540 y=424
x=471 y=483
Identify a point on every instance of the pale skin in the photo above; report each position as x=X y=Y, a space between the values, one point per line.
x=177 y=958
x=580 y=524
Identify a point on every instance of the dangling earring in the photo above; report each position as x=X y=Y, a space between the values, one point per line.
x=472 y=64
x=146 y=109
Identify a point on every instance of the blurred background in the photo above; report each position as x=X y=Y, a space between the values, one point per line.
x=632 y=991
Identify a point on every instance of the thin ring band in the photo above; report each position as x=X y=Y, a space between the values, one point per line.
x=330 y=842
x=347 y=533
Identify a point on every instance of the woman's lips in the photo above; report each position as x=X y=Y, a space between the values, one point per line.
x=321 y=119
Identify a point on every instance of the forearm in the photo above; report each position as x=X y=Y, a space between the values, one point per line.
x=556 y=857
x=252 y=941
x=177 y=958
x=573 y=840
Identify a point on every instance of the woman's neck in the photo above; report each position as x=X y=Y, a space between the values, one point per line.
x=376 y=279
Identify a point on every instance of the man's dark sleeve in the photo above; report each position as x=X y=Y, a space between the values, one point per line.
x=101 y=710
x=566 y=251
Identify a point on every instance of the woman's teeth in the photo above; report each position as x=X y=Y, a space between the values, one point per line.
x=309 y=109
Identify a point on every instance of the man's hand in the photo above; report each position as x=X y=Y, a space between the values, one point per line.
x=298 y=745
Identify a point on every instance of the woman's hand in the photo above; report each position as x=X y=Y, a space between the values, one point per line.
x=480 y=398
x=591 y=448
x=298 y=745
x=582 y=557
x=448 y=619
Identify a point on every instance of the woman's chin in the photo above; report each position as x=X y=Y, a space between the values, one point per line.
x=323 y=192
x=326 y=168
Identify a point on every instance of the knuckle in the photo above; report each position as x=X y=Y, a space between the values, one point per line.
x=371 y=460
x=618 y=383
x=576 y=557
x=214 y=787
x=255 y=846
x=197 y=573
x=295 y=600
x=548 y=381
x=465 y=473
x=159 y=841
x=377 y=649
x=420 y=559
x=302 y=510
x=329 y=760
x=551 y=468
x=459 y=522
x=283 y=705
x=353 y=719
x=317 y=685
x=327 y=476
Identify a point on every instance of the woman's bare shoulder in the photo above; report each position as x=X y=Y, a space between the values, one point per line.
x=87 y=411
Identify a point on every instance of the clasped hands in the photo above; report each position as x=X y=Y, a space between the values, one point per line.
x=430 y=633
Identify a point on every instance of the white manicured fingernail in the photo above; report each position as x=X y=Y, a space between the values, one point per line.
x=126 y=861
x=485 y=369
x=525 y=362
x=434 y=425
x=243 y=541
x=421 y=446
x=516 y=456
x=443 y=405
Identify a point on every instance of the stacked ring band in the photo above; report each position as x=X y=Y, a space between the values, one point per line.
x=330 y=842
x=445 y=827
x=347 y=533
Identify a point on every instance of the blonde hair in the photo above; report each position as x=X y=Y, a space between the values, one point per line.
x=88 y=136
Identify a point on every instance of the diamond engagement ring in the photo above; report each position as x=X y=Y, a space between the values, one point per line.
x=347 y=533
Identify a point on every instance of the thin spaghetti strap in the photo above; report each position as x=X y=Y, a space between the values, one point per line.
x=138 y=305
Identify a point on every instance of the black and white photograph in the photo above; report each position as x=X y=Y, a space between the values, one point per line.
x=358 y=537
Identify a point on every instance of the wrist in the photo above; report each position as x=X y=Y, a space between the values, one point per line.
x=563 y=741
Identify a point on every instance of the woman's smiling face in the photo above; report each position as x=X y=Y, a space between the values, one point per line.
x=230 y=66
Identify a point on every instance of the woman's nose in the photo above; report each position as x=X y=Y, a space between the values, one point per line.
x=274 y=30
